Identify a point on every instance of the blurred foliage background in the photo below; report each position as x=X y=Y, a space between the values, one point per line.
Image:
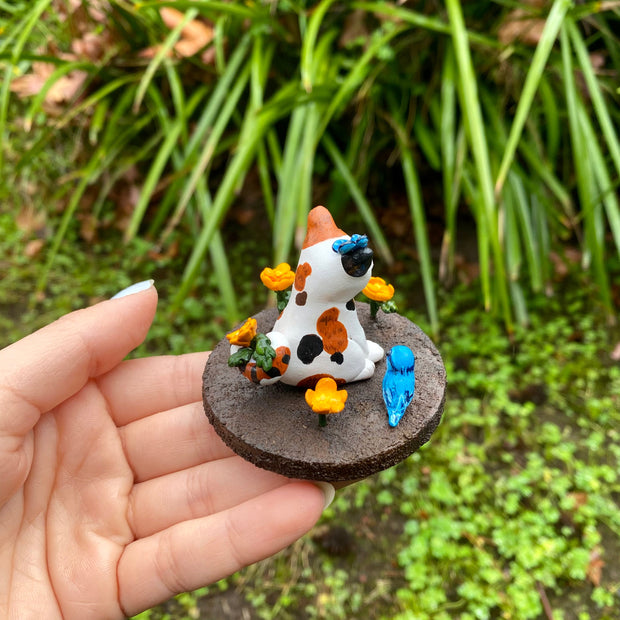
x=477 y=145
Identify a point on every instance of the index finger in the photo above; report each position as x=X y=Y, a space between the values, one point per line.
x=141 y=387
x=42 y=370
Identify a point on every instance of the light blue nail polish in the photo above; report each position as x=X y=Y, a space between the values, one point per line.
x=138 y=287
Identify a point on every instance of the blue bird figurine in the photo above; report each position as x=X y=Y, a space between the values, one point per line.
x=398 y=382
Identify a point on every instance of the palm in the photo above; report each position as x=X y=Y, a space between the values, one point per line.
x=72 y=515
x=120 y=495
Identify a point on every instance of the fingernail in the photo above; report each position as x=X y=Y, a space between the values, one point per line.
x=138 y=287
x=329 y=492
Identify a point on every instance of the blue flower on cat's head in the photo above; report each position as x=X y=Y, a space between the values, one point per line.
x=344 y=246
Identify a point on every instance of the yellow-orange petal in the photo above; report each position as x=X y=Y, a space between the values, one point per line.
x=378 y=290
x=279 y=278
x=243 y=336
x=326 y=398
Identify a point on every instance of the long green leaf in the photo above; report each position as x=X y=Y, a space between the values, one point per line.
x=354 y=78
x=551 y=118
x=608 y=192
x=200 y=166
x=218 y=96
x=209 y=7
x=162 y=53
x=307 y=61
x=218 y=255
x=204 y=124
x=416 y=207
x=470 y=106
x=598 y=103
x=447 y=140
x=286 y=209
x=25 y=29
x=255 y=128
x=153 y=177
x=593 y=251
x=96 y=97
x=307 y=154
x=260 y=66
x=523 y=218
x=532 y=80
x=222 y=200
x=419 y=20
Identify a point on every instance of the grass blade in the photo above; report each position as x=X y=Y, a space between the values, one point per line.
x=159 y=57
x=28 y=23
x=532 y=80
x=307 y=61
x=593 y=250
x=217 y=252
x=59 y=72
x=416 y=207
x=199 y=168
x=552 y=118
x=598 y=103
x=203 y=126
x=209 y=7
x=608 y=191
x=448 y=146
x=96 y=97
x=152 y=179
x=524 y=220
x=255 y=128
x=218 y=96
x=284 y=230
x=355 y=77
x=470 y=106
x=419 y=20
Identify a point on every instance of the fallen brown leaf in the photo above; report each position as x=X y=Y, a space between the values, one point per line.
x=62 y=90
x=595 y=567
x=171 y=252
x=88 y=226
x=81 y=11
x=33 y=247
x=518 y=26
x=615 y=354
x=580 y=498
x=195 y=34
x=91 y=46
x=29 y=220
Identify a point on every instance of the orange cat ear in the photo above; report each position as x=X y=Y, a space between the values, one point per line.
x=321 y=226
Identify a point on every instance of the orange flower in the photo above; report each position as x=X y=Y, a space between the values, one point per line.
x=277 y=279
x=243 y=336
x=378 y=290
x=325 y=398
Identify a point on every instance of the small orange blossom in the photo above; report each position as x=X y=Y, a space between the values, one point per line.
x=243 y=336
x=378 y=290
x=278 y=279
x=326 y=398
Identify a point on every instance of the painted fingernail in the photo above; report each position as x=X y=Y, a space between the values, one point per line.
x=138 y=287
x=329 y=492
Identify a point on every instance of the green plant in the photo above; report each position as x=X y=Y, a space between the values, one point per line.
x=196 y=125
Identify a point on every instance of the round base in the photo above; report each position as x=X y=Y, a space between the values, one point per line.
x=274 y=428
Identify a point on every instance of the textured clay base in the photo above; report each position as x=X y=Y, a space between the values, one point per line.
x=273 y=427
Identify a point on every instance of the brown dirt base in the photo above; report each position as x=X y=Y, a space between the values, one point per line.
x=274 y=428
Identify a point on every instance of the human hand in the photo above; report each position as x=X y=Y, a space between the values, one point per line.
x=115 y=492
